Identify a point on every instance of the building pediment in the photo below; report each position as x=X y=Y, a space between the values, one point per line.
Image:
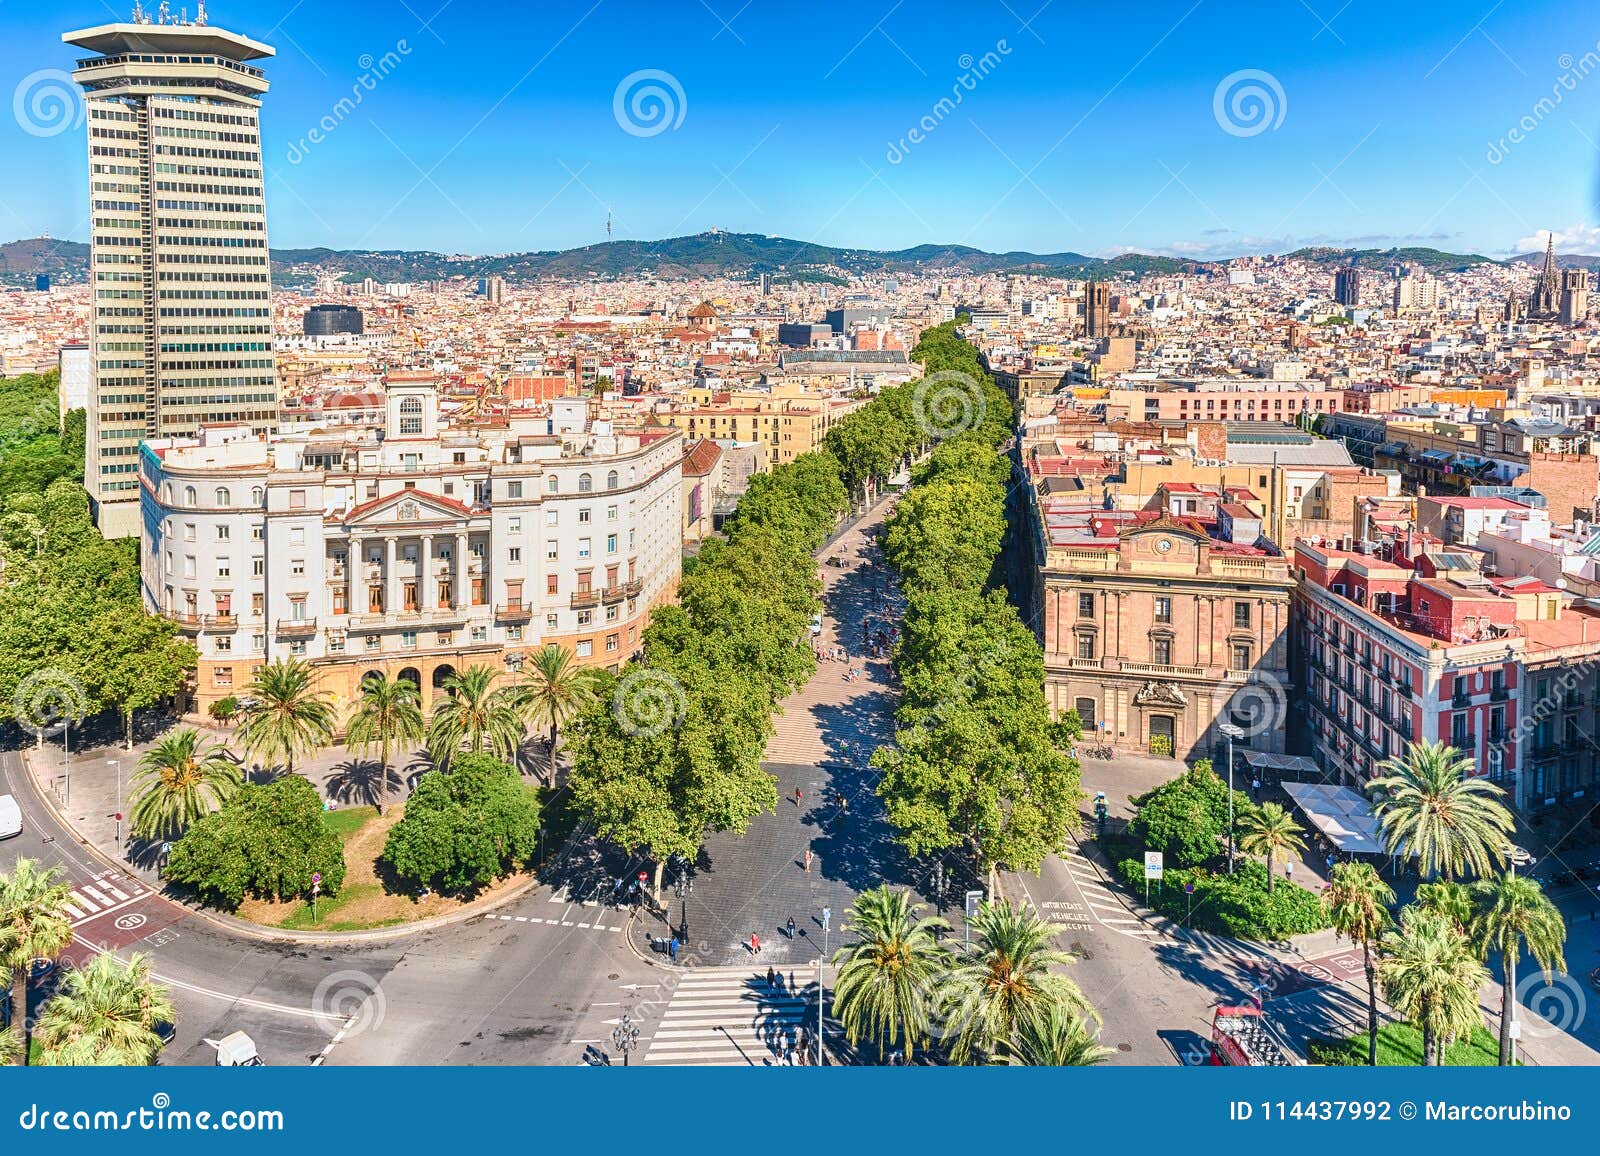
x=411 y=507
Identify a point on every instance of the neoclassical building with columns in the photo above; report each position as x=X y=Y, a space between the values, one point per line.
x=416 y=550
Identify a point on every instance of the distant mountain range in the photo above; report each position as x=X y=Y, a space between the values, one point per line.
x=718 y=254
x=714 y=254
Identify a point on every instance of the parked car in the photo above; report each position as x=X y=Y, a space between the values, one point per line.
x=10 y=817
x=816 y=625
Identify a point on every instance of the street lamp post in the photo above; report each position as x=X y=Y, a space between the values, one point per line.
x=625 y=1037
x=118 y=764
x=827 y=925
x=1232 y=732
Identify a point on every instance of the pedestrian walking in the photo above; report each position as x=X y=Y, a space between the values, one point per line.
x=755 y=944
x=1288 y=870
x=1255 y=789
x=808 y=866
x=797 y=796
x=791 y=927
x=672 y=949
x=772 y=978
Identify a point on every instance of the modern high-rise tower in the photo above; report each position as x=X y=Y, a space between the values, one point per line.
x=1347 y=286
x=182 y=333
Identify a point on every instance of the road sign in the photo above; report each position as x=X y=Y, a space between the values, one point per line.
x=974 y=901
x=316 y=877
x=1153 y=865
x=1188 y=888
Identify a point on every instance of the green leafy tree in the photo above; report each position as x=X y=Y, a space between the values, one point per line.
x=1185 y=818
x=268 y=841
x=1270 y=830
x=1431 y=976
x=1005 y=978
x=465 y=827
x=1432 y=807
x=1053 y=1037
x=287 y=716
x=889 y=977
x=177 y=782
x=139 y=661
x=1513 y=913
x=1357 y=903
x=105 y=1014
x=224 y=710
x=474 y=715
x=557 y=690
x=389 y=711
x=33 y=925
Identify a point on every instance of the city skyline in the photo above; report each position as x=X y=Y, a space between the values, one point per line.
x=1365 y=133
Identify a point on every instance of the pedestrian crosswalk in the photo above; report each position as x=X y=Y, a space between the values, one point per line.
x=105 y=893
x=1107 y=909
x=730 y=1016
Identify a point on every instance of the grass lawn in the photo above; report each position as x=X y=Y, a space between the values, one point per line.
x=365 y=901
x=1400 y=1045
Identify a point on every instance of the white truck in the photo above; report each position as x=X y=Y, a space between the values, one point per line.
x=237 y=1050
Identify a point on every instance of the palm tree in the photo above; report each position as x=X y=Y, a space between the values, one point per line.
x=1054 y=1038
x=1268 y=829
x=1433 y=808
x=1447 y=898
x=286 y=716
x=177 y=782
x=1003 y=978
x=389 y=712
x=557 y=691
x=889 y=977
x=1357 y=904
x=105 y=1014
x=10 y=1042
x=1431 y=976
x=1512 y=912
x=473 y=714
x=33 y=925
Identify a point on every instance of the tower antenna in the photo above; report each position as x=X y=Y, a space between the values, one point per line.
x=608 y=222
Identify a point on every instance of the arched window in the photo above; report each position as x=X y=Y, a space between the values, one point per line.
x=167 y=493
x=553 y=485
x=633 y=475
x=223 y=497
x=411 y=417
x=585 y=483
x=190 y=496
x=258 y=496
x=611 y=480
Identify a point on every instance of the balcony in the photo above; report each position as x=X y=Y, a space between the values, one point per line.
x=1163 y=669
x=1460 y=700
x=514 y=611
x=220 y=621
x=1464 y=741
x=297 y=627
x=633 y=588
x=585 y=599
x=611 y=595
x=1499 y=694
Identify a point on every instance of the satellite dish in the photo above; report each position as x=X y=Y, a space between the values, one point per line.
x=1561 y=583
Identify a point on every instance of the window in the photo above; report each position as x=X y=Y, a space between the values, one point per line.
x=297 y=566
x=583 y=547
x=611 y=484
x=583 y=516
x=585 y=483
x=411 y=417
x=553 y=486
x=297 y=499
x=258 y=496
x=552 y=551
x=1086 y=646
x=188 y=532
x=611 y=639
x=222 y=676
x=297 y=536
x=611 y=613
x=551 y=584
x=297 y=646
x=513 y=489
x=190 y=496
x=585 y=617
x=224 y=498
x=514 y=554
x=480 y=634
x=373 y=642
x=1163 y=609
x=551 y=517
x=1085 y=605
x=1085 y=709
x=611 y=543
x=222 y=533
x=224 y=643
x=408 y=639
x=1241 y=615
x=1241 y=660
x=258 y=567
x=1161 y=650
x=611 y=513
x=585 y=648
x=224 y=568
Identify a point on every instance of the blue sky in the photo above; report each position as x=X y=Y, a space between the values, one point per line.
x=1086 y=127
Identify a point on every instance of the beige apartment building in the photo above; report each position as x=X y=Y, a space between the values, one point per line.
x=788 y=419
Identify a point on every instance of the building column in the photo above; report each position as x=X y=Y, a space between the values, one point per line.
x=391 y=579
x=463 y=586
x=353 y=560
x=426 y=596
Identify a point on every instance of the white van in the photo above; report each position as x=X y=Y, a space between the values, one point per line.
x=10 y=817
x=237 y=1050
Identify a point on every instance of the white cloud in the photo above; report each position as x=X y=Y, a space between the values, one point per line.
x=1573 y=239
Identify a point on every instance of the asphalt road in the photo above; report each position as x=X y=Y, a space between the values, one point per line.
x=531 y=986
